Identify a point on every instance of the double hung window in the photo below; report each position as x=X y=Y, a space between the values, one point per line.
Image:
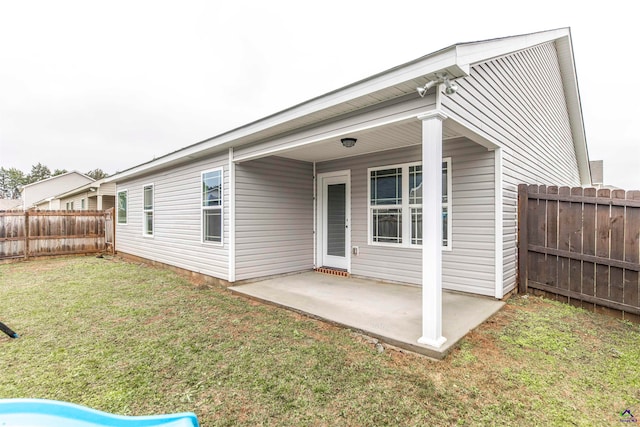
x=122 y=207
x=148 y=210
x=211 y=206
x=395 y=205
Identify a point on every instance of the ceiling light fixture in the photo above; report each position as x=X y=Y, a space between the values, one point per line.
x=348 y=142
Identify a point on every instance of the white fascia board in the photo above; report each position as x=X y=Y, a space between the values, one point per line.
x=574 y=105
x=482 y=51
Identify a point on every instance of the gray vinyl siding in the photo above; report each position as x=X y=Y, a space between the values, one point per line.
x=470 y=265
x=519 y=102
x=77 y=202
x=177 y=239
x=274 y=217
x=108 y=202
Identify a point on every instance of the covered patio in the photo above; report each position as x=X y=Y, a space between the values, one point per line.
x=387 y=311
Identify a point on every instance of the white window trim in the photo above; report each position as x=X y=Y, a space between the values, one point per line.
x=406 y=206
x=126 y=217
x=83 y=204
x=152 y=210
x=203 y=208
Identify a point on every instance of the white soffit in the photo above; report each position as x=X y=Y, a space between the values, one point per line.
x=373 y=140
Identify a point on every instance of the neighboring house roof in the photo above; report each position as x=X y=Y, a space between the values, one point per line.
x=92 y=186
x=455 y=60
x=56 y=177
x=10 y=204
x=39 y=192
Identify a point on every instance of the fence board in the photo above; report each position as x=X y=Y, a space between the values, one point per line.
x=616 y=274
x=589 y=246
x=632 y=253
x=575 y=245
x=552 y=237
x=603 y=211
x=44 y=233
x=581 y=245
x=565 y=227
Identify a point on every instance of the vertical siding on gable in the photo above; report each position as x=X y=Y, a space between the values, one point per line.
x=274 y=217
x=177 y=219
x=470 y=266
x=519 y=101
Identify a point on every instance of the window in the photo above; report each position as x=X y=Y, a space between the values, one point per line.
x=446 y=203
x=395 y=205
x=71 y=205
x=415 y=203
x=147 y=210
x=68 y=206
x=82 y=205
x=122 y=207
x=212 y=206
x=386 y=205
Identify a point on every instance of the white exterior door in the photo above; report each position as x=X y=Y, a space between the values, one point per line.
x=334 y=220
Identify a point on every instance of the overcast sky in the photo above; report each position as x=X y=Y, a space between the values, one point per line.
x=112 y=84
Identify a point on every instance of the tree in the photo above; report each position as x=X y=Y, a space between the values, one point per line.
x=97 y=174
x=11 y=180
x=38 y=173
x=59 y=172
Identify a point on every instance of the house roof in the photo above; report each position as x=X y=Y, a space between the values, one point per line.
x=50 y=180
x=10 y=204
x=55 y=177
x=82 y=189
x=456 y=60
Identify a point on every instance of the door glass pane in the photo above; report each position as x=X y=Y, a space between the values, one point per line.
x=336 y=214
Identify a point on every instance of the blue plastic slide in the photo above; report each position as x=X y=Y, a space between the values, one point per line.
x=41 y=413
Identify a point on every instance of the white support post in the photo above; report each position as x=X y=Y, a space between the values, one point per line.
x=432 y=228
x=99 y=203
x=232 y=218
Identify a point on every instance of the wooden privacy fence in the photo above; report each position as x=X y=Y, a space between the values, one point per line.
x=582 y=245
x=48 y=233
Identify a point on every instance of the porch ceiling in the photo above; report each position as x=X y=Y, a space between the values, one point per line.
x=396 y=135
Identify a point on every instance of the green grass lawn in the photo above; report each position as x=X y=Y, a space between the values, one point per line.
x=137 y=340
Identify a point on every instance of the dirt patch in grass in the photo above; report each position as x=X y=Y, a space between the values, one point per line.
x=133 y=339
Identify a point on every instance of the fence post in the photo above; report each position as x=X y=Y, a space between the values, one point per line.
x=26 y=234
x=523 y=239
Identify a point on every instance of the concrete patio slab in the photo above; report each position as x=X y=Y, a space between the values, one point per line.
x=389 y=312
